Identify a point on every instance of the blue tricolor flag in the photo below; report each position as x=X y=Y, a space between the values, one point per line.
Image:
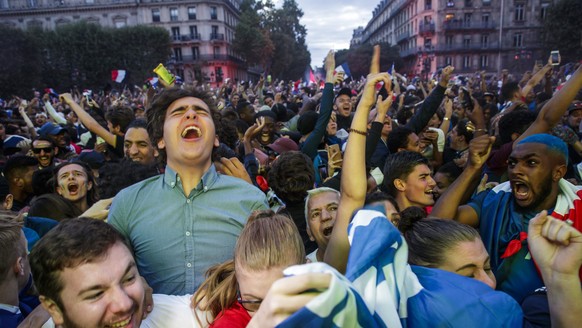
x=345 y=69
x=381 y=290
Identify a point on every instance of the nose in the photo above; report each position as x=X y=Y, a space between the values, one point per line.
x=121 y=302
x=431 y=182
x=191 y=113
x=486 y=279
x=326 y=215
x=133 y=149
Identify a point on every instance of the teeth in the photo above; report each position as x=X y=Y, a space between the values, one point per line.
x=122 y=323
x=186 y=130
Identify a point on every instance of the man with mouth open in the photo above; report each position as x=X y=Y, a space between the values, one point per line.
x=536 y=168
x=86 y=276
x=320 y=213
x=188 y=219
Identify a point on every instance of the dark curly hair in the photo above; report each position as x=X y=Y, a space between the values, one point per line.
x=291 y=175
x=156 y=113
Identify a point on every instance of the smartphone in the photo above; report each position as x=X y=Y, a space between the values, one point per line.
x=467 y=101
x=164 y=74
x=555 y=57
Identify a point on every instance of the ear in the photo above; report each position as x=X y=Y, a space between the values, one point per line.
x=559 y=172
x=156 y=152
x=56 y=150
x=53 y=309
x=89 y=185
x=161 y=144
x=216 y=141
x=17 y=267
x=309 y=234
x=400 y=185
x=8 y=202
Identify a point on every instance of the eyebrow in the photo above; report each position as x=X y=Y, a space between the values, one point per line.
x=130 y=266
x=526 y=156
x=184 y=107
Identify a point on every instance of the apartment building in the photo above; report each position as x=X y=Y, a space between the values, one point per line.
x=472 y=35
x=202 y=31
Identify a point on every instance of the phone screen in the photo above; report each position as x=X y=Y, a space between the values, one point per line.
x=555 y=57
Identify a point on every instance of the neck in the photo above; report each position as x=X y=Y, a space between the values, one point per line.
x=403 y=202
x=189 y=176
x=9 y=291
x=19 y=195
x=82 y=204
x=320 y=253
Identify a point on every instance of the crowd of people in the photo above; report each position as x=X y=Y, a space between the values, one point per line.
x=392 y=200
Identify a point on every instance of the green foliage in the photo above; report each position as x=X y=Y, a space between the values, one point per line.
x=82 y=54
x=20 y=58
x=273 y=38
x=359 y=58
x=563 y=29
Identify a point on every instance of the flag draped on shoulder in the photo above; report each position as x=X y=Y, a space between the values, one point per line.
x=118 y=75
x=380 y=289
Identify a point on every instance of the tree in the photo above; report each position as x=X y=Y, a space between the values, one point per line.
x=563 y=29
x=252 y=39
x=20 y=58
x=291 y=56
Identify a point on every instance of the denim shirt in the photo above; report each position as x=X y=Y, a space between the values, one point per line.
x=175 y=238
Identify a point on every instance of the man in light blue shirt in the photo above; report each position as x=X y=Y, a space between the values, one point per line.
x=188 y=219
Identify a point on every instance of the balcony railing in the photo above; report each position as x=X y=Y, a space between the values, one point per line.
x=402 y=36
x=467 y=25
x=426 y=28
x=491 y=46
x=408 y=52
x=203 y=58
x=216 y=36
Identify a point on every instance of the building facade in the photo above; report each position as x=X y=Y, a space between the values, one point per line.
x=201 y=31
x=472 y=35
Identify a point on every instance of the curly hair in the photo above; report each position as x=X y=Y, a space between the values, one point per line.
x=291 y=175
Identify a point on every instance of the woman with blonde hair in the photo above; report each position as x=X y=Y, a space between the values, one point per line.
x=234 y=290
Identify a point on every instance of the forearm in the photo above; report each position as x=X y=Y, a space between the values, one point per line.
x=452 y=198
x=53 y=113
x=564 y=299
x=91 y=124
x=535 y=79
x=314 y=139
x=374 y=135
x=429 y=107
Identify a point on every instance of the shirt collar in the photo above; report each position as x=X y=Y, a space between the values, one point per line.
x=172 y=179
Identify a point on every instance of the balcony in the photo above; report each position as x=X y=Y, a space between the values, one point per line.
x=216 y=37
x=425 y=28
x=189 y=59
x=408 y=52
x=402 y=36
x=457 y=25
x=462 y=47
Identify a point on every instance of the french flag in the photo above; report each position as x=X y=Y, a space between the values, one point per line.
x=380 y=289
x=51 y=92
x=345 y=69
x=308 y=76
x=118 y=75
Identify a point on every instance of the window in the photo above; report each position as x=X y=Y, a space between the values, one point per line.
x=468 y=3
x=216 y=52
x=449 y=41
x=427 y=44
x=449 y=61
x=213 y=13
x=467 y=19
x=194 y=32
x=427 y=4
x=519 y=12
x=466 y=61
x=518 y=40
x=486 y=2
x=173 y=14
x=544 y=10
x=155 y=15
x=120 y=21
x=450 y=3
x=485 y=19
x=484 y=61
x=191 y=13
x=178 y=54
x=484 y=40
x=466 y=42
x=195 y=53
x=176 y=33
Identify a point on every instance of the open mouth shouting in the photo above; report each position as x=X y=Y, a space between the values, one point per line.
x=327 y=231
x=73 y=188
x=191 y=132
x=521 y=190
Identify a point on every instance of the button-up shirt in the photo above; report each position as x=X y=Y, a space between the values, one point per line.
x=176 y=238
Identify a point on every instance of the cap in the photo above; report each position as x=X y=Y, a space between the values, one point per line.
x=344 y=91
x=92 y=158
x=576 y=105
x=283 y=145
x=50 y=129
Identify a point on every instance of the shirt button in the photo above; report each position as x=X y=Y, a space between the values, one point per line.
x=188 y=200
x=189 y=265
x=172 y=184
x=188 y=233
x=205 y=188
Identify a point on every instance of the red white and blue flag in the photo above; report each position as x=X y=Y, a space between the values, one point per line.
x=118 y=75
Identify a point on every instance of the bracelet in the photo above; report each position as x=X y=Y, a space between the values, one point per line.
x=481 y=130
x=445 y=118
x=358 y=132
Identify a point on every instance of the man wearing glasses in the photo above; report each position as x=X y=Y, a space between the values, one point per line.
x=44 y=150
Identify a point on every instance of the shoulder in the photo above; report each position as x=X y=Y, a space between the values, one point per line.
x=238 y=185
x=172 y=311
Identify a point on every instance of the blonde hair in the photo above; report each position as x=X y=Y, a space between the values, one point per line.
x=268 y=240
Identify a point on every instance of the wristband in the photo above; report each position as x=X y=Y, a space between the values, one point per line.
x=358 y=132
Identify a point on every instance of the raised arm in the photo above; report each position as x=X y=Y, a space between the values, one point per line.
x=88 y=121
x=536 y=78
x=554 y=109
x=447 y=207
x=353 y=181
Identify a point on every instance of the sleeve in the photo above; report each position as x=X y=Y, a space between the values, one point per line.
x=53 y=113
x=309 y=147
x=427 y=110
x=477 y=202
x=374 y=135
x=117 y=216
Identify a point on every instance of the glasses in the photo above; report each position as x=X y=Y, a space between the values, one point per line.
x=39 y=150
x=249 y=305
